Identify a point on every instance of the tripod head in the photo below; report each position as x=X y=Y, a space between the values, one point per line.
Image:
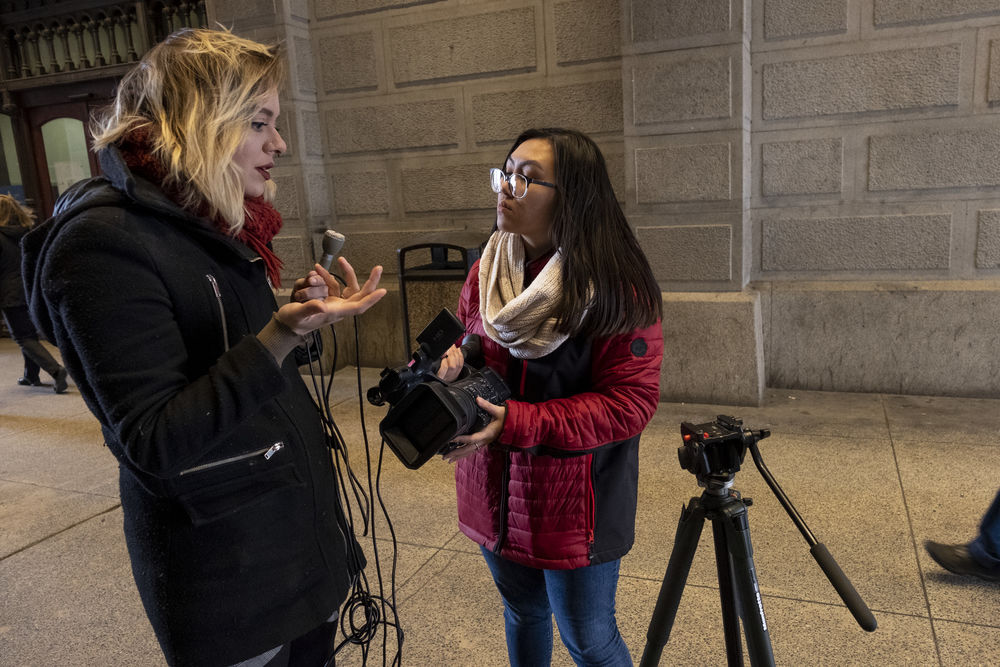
x=714 y=451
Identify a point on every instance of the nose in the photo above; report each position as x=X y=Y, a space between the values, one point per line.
x=506 y=188
x=275 y=144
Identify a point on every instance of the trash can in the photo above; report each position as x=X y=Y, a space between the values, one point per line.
x=431 y=276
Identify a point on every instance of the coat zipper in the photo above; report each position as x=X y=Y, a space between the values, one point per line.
x=222 y=310
x=267 y=453
x=504 y=483
x=267 y=278
x=591 y=511
x=505 y=478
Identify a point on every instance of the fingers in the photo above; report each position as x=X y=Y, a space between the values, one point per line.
x=357 y=304
x=331 y=282
x=351 y=288
x=372 y=281
x=313 y=286
x=463 y=452
x=495 y=411
x=350 y=278
x=452 y=362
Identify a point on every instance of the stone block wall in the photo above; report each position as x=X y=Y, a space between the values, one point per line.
x=875 y=183
x=415 y=102
x=816 y=182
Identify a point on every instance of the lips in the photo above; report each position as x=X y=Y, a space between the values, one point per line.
x=265 y=171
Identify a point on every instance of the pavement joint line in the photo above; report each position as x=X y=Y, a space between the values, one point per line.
x=57 y=488
x=60 y=532
x=909 y=525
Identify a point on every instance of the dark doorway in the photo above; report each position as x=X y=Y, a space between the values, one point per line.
x=61 y=146
x=51 y=127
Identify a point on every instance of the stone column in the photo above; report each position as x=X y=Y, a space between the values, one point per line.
x=685 y=83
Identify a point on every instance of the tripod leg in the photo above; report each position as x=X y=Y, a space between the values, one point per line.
x=747 y=589
x=685 y=542
x=730 y=617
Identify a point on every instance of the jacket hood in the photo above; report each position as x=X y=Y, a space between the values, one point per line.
x=13 y=232
x=116 y=187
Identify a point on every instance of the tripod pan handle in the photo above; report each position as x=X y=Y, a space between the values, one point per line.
x=862 y=614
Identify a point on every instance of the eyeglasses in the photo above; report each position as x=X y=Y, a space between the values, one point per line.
x=518 y=183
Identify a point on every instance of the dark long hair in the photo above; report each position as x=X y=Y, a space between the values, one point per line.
x=608 y=286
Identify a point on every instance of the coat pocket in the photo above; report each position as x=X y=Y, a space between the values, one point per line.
x=219 y=499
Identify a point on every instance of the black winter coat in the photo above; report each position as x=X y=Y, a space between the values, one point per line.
x=11 y=287
x=237 y=538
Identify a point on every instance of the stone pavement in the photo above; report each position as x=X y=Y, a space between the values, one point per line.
x=872 y=475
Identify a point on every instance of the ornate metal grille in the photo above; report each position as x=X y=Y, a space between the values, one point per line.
x=40 y=38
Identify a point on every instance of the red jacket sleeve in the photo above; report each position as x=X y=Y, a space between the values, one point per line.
x=625 y=376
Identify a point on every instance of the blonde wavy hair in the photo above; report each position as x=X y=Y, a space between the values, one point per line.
x=13 y=213
x=197 y=92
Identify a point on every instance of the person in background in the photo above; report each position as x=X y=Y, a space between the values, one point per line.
x=568 y=311
x=980 y=557
x=15 y=221
x=155 y=279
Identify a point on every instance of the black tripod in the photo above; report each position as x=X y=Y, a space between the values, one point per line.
x=714 y=452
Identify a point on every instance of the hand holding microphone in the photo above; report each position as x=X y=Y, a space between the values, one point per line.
x=454 y=359
x=313 y=286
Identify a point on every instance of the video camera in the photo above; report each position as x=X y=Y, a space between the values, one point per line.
x=716 y=448
x=426 y=413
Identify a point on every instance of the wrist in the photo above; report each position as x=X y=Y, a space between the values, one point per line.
x=279 y=339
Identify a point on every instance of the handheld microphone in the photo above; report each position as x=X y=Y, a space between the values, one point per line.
x=472 y=350
x=472 y=353
x=332 y=243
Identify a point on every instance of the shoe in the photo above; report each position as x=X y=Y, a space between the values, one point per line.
x=61 y=384
x=29 y=382
x=957 y=559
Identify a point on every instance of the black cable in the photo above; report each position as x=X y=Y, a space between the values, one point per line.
x=335 y=438
x=362 y=613
x=375 y=491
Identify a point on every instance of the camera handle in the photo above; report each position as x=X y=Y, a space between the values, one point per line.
x=862 y=614
x=739 y=590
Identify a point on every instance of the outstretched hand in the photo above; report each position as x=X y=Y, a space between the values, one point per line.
x=339 y=302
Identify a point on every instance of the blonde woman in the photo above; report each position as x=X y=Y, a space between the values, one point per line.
x=156 y=282
x=15 y=221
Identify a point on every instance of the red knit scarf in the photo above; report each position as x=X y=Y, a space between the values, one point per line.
x=261 y=221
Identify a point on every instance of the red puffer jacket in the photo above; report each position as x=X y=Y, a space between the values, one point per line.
x=558 y=489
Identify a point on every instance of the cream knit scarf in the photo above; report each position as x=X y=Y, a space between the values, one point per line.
x=522 y=320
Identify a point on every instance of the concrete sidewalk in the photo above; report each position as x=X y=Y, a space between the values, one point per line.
x=872 y=475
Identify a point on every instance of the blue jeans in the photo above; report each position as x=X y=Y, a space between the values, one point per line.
x=582 y=600
x=986 y=547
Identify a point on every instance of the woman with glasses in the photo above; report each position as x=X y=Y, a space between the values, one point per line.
x=568 y=311
x=156 y=281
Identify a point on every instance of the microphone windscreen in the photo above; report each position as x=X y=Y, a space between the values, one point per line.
x=332 y=243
